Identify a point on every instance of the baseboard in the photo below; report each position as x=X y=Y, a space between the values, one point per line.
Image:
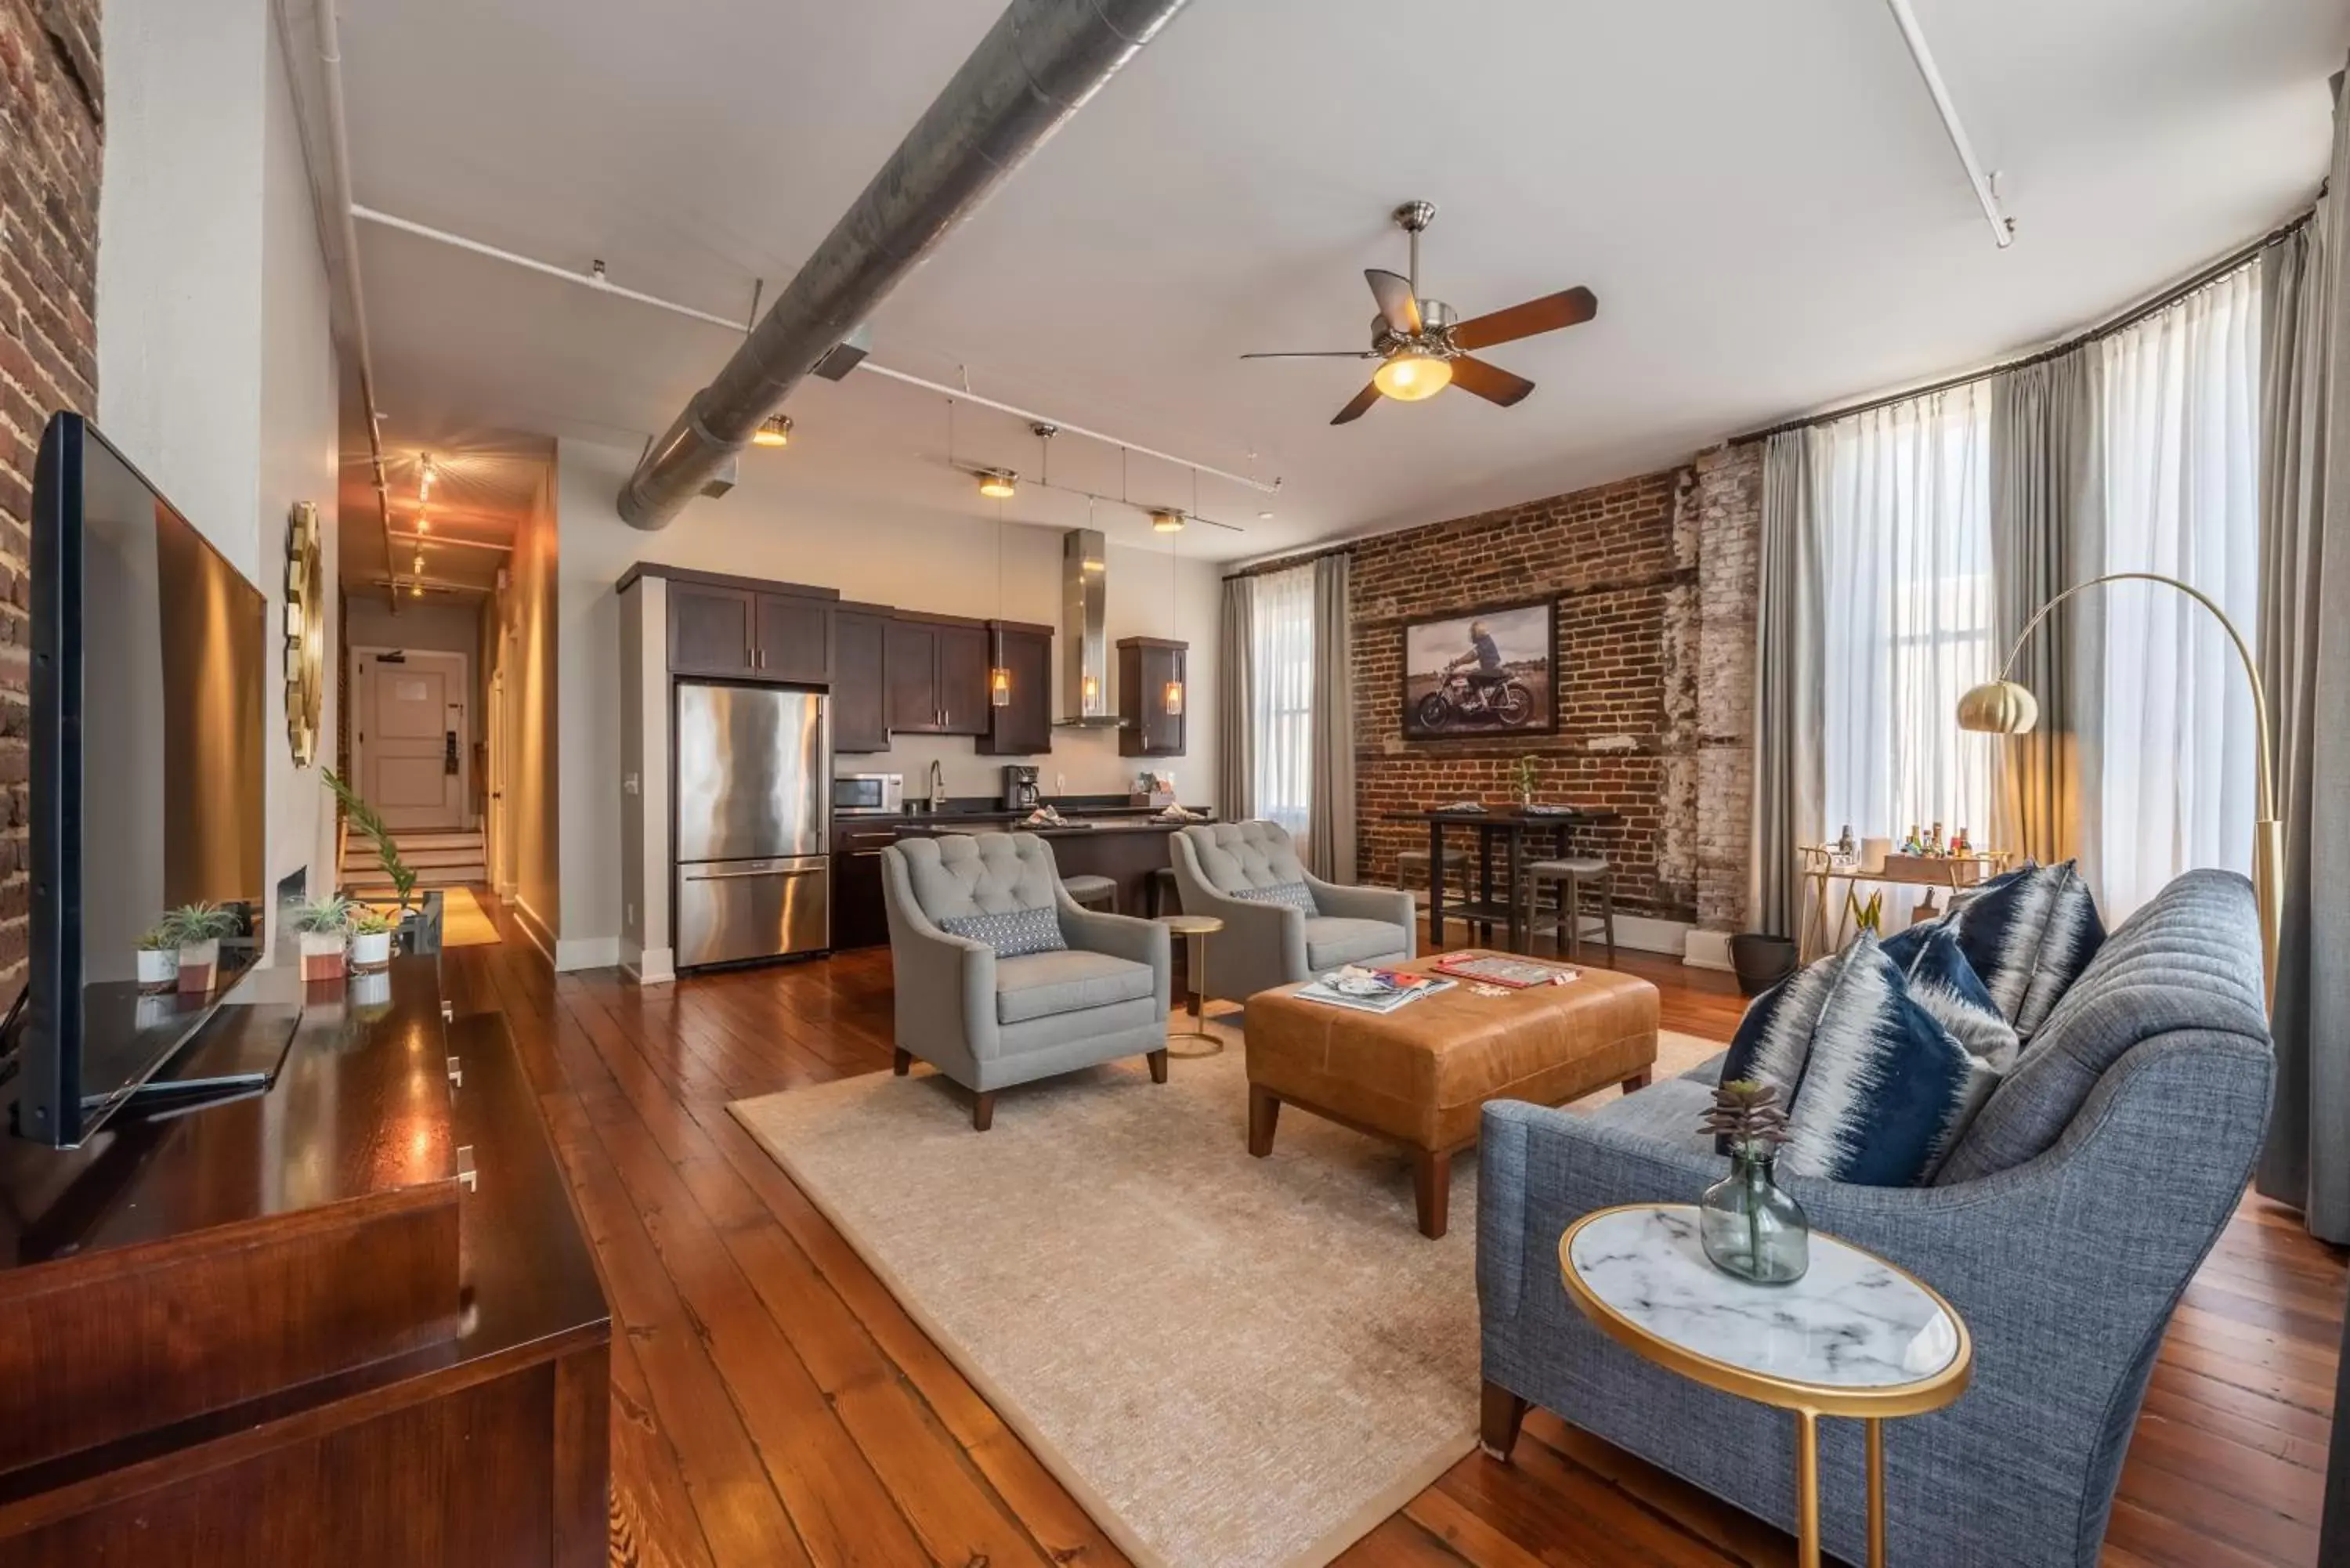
x=535 y=928
x=649 y=966
x=506 y=889
x=586 y=952
x=1708 y=949
x=1644 y=933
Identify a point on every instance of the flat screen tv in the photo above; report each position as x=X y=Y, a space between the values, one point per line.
x=149 y=658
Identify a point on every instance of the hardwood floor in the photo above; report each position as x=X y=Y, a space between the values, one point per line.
x=773 y=1404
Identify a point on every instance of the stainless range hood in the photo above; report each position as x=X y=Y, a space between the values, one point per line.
x=1084 y=634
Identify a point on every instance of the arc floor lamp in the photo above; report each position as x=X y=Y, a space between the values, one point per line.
x=2003 y=707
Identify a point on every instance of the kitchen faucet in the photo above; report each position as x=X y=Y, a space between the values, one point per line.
x=938 y=786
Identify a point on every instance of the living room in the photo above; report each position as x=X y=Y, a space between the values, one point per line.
x=834 y=853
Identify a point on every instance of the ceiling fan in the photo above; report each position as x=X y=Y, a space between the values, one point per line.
x=1425 y=350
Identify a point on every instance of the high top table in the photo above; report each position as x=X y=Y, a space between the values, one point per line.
x=1509 y=826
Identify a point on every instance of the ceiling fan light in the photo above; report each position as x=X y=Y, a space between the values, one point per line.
x=1409 y=377
x=775 y=430
x=996 y=484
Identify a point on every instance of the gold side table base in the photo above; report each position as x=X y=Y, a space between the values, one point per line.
x=1196 y=954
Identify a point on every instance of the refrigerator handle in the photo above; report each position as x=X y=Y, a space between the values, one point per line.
x=761 y=871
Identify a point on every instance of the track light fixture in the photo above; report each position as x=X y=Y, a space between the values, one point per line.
x=1167 y=522
x=775 y=430
x=425 y=475
x=998 y=484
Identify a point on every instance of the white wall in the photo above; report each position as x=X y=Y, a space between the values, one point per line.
x=216 y=363
x=940 y=562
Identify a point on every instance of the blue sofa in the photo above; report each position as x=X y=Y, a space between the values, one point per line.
x=2073 y=1213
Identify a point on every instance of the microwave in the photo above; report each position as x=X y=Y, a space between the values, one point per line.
x=868 y=795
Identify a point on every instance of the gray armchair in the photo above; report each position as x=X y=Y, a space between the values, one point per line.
x=989 y=1021
x=1266 y=944
x=2065 y=1225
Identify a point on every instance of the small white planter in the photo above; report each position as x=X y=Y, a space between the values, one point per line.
x=322 y=956
x=159 y=971
x=371 y=951
x=199 y=967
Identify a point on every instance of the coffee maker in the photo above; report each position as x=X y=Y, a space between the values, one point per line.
x=1020 y=788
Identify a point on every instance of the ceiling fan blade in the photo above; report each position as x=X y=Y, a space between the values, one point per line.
x=1393 y=292
x=1548 y=314
x=1318 y=353
x=1363 y=401
x=1489 y=382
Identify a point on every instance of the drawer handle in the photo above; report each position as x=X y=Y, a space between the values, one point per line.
x=467 y=1177
x=456 y=1073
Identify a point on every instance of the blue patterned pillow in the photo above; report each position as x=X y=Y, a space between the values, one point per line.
x=1013 y=933
x=2029 y=933
x=1885 y=1090
x=1297 y=895
x=1945 y=984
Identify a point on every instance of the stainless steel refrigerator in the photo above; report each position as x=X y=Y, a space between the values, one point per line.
x=754 y=823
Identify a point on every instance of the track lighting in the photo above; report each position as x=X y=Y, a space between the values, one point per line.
x=775 y=430
x=997 y=484
x=1167 y=522
x=425 y=475
x=424 y=523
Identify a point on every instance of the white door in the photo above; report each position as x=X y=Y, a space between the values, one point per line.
x=407 y=717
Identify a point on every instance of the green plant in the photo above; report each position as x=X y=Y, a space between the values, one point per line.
x=192 y=923
x=1529 y=769
x=153 y=940
x=330 y=916
x=368 y=920
x=387 y=848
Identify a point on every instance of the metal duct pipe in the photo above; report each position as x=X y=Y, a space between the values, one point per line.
x=1036 y=66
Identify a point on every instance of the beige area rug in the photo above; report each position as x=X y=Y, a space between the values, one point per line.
x=463 y=922
x=1231 y=1363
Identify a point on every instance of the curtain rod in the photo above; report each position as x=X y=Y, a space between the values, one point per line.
x=2122 y=323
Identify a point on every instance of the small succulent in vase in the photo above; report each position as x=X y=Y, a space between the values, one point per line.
x=1749 y=1226
x=1527 y=772
x=194 y=931
x=159 y=961
x=324 y=926
x=372 y=931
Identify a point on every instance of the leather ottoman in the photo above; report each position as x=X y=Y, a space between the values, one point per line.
x=1420 y=1075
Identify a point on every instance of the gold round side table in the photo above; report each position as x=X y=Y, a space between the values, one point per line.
x=1192 y=927
x=1856 y=1335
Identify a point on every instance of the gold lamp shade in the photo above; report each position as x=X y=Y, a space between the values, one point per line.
x=1999 y=708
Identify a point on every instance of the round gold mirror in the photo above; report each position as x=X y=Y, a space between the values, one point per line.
x=305 y=632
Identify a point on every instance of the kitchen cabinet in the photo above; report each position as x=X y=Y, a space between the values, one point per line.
x=935 y=676
x=712 y=629
x=860 y=920
x=794 y=639
x=731 y=628
x=1144 y=665
x=1024 y=727
x=860 y=702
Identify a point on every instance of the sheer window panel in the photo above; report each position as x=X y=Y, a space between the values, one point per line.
x=1904 y=543
x=2170 y=763
x=1283 y=705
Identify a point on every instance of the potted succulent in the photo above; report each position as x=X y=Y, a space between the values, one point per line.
x=159 y=963
x=1748 y=1225
x=324 y=926
x=370 y=939
x=195 y=931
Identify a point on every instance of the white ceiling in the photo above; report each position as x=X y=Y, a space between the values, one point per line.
x=1760 y=196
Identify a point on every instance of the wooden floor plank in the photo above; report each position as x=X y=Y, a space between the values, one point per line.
x=773 y=1404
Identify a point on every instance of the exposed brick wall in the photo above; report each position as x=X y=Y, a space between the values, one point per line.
x=1654 y=581
x=50 y=93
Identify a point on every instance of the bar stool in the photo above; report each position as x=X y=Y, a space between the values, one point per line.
x=1165 y=900
x=1407 y=861
x=1091 y=889
x=1572 y=873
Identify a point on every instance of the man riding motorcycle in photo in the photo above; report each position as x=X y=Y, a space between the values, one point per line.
x=1487 y=676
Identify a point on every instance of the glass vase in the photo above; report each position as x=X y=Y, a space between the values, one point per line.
x=1749 y=1228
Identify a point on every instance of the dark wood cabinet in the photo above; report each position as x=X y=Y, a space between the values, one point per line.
x=711 y=631
x=860 y=697
x=1024 y=727
x=1146 y=665
x=936 y=676
x=860 y=920
x=794 y=639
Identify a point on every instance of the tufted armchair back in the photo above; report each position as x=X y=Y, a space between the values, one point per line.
x=987 y=873
x=1237 y=856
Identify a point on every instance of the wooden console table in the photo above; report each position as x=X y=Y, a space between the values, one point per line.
x=349 y=1320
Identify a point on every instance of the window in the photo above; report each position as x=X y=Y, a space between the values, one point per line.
x=1282 y=631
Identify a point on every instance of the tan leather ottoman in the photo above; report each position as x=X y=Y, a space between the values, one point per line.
x=1420 y=1075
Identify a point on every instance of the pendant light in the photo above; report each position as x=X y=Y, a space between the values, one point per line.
x=1171 y=698
x=998 y=674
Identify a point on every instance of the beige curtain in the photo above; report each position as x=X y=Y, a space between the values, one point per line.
x=2043 y=479
x=1787 y=688
x=1330 y=800
x=2305 y=657
x=1236 y=702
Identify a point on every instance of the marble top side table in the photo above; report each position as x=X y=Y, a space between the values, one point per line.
x=1856 y=1336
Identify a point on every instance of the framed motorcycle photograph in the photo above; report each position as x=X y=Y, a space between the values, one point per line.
x=1481 y=672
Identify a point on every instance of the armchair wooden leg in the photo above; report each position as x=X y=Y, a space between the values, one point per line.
x=1500 y=1415
x=1157 y=1060
x=983 y=1111
x=1639 y=1081
x=902 y=1062
x=1431 y=1190
x=1264 y=1115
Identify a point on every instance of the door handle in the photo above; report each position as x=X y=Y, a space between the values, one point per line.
x=737 y=875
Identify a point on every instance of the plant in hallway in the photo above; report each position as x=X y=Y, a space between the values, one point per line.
x=372 y=931
x=1748 y=1226
x=324 y=926
x=159 y=961
x=194 y=932
x=369 y=821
